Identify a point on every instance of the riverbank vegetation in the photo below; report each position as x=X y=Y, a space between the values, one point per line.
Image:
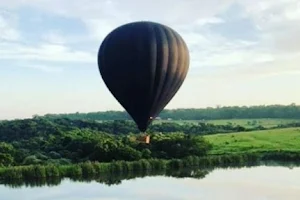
x=191 y=166
x=65 y=141
x=88 y=168
x=51 y=145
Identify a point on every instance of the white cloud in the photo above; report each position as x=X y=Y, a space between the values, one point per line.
x=211 y=53
x=213 y=20
x=278 y=23
x=116 y=12
x=223 y=70
x=180 y=15
x=44 y=52
x=7 y=30
x=275 y=52
x=173 y=11
x=99 y=28
x=54 y=37
x=45 y=68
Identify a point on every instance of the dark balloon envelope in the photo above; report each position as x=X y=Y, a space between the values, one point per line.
x=143 y=64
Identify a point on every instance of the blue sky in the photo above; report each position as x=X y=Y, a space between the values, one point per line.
x=243 y=52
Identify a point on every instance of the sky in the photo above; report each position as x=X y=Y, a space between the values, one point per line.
x=243 y=52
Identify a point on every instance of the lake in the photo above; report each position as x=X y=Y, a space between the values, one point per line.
x=248 y=183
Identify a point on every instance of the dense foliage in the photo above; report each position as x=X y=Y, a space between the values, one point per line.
x=58 y=140
x=233 y=112
x=41 y=127
x=65 y=141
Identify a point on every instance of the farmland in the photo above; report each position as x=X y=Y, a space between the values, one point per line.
x=287 y=139
x=248 y=123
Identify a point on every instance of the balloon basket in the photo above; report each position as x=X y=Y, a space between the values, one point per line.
x=143 y=138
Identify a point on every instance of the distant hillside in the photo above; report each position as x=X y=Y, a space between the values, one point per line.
x=291 y=111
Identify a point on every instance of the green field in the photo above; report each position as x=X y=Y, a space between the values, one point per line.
x=287 y=139
x=248 y=123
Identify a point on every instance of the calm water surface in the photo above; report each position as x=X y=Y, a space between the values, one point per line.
x=256 y=183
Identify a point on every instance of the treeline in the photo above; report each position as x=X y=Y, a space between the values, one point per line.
x=40 y=127
x=291 y=111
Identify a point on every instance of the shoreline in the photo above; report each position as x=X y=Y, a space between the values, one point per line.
x=88 y=168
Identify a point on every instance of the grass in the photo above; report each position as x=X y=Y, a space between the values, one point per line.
x=268 y=123
x=286 y=139
x=248 y=123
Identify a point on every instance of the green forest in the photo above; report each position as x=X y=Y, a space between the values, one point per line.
x=66 y=140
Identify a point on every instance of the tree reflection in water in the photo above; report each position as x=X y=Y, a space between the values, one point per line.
x=107 y=179
x=116 y=178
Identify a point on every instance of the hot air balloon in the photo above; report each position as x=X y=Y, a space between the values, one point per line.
x=143 y=64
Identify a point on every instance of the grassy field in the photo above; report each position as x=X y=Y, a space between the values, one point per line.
x=287 y=139
x=248 y=123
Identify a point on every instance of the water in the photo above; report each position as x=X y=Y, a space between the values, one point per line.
x=255 y=183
